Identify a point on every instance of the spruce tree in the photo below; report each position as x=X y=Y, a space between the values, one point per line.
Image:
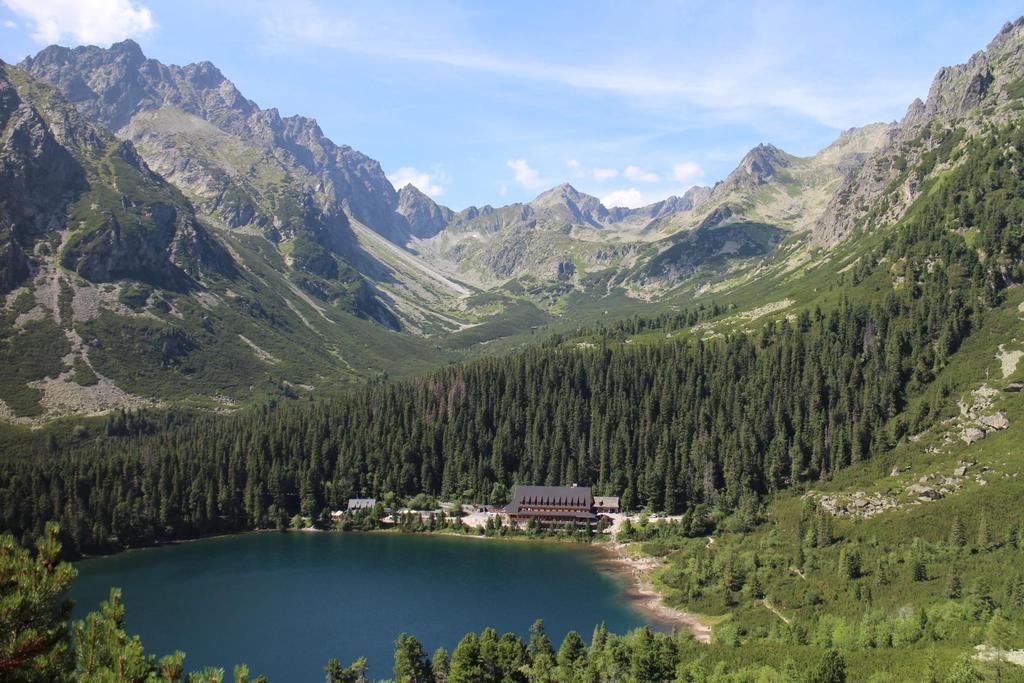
x=440 y=665
x=572 y=652
x=411 y=663
x=984 y=534
x=831 y=669
x=465 y=665
x=958 y=533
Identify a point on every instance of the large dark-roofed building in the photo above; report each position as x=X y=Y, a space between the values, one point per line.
x=552 y=505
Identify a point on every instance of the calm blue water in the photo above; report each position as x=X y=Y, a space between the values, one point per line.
x=285 y=603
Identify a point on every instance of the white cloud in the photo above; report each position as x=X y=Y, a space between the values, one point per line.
x=9 y=24
x=604 y=173
x=771 y=71
x=573 y=164
x=98 y=22
x=407 y=175
x=639 y=175
x=687 y=172
x=631 y=198
x=525 y=176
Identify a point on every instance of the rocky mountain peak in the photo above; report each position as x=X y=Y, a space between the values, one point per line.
x=757 y=167
x=1009 y=31
x=957 y=90
x=566 y=203
x=129 y=50
x=425 y=217
x=558 y=194
x=410 y=194
x=116 y=87
x=124 y=222
x=205 y=75
x=963 y=96
x=763 y=161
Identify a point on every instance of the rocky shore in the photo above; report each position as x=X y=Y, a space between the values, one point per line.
x=646 y=598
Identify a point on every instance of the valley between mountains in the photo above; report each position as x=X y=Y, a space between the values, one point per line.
x=166 y=241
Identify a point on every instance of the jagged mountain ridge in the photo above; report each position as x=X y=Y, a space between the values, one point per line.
x=246 y=168
x=91 y=199
x=114 y=86
x=315 y=234
x=563 y=233
x=251 y=169
x=79 y=212
x=560 y=206
x=774 y=187
x=961 y=101
x=117 y=294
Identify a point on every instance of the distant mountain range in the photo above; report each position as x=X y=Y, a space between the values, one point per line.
x=163 y=238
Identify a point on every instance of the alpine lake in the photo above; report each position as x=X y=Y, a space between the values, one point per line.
x=285 y=603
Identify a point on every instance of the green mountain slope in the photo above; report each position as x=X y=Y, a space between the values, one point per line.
x=117 y=295
x=249 y=169
x=916 y=551
x=287 y=246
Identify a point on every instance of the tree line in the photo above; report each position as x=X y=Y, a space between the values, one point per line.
x=667 y=426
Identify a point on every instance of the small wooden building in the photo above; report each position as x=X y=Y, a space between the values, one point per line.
x=606 y=505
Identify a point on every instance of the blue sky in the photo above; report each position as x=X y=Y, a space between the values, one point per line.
x=493 y=102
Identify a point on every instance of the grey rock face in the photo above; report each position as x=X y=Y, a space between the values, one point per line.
x=997 y=421
x=425 y=217
x=564 y=270
x=972 y=435
x=717 y=216
x=956 y=96
x=14 y=265
x=115 y=86
x=135 y=225
x=761 y=163
x=39 y=177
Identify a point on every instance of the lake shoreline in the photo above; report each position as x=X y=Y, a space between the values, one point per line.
x=389 y=531
x=639 y=593
x=182 y=541
x=345 y=595
x=644 y=597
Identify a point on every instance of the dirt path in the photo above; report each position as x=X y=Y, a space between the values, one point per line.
x=644 y=595
x=774 y=611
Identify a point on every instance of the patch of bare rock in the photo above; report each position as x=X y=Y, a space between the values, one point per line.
x=926 y=489
x=977 y=417
x=858 y=504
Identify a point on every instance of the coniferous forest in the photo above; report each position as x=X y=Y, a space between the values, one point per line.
x=667 y=426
